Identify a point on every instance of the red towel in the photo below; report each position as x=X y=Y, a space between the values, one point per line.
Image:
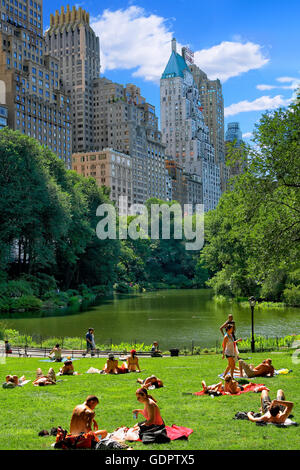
x=178 y=432
x=251 y=387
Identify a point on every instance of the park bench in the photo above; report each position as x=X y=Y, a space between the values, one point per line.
x=29 y=351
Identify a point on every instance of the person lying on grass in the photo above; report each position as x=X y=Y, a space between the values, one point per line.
x=230 y=387
x=83 y=418
x=151 y=381
x=275 y=411
x=12 y=381
x=49 y=379
x=132 y=362
x=262 y=370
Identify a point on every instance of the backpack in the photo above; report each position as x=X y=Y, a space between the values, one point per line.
x=83 y=440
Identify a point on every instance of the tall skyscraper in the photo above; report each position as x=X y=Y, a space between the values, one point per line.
x=185 y=133
x=30 y=87
x=212 y=102
x=75 y=45
x=234 y=136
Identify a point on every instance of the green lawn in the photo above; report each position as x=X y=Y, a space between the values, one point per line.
x=26 y=410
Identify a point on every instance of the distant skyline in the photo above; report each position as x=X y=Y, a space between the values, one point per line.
x=252 y=47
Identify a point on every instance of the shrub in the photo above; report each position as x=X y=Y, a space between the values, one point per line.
x=15 y=289
x=291 y=296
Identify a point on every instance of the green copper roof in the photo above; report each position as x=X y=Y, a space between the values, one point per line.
x=175 y=66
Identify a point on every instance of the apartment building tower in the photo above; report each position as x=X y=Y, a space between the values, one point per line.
x=76 y=47
x=124 y=121
x=184 y=130
x=36 y=102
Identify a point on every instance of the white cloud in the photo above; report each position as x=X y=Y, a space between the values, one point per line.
x=286 y=79
x=265 y=87
x=247 y=135
x=260 y=104
x=132 y=39
x=230 y=59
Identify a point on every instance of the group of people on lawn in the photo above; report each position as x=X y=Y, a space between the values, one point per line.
x=83 y=416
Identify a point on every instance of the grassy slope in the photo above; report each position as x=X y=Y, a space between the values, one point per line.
x=25 y=411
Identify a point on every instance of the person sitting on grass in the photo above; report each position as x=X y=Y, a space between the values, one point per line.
x=111 y=366
x=57 y=353
x=275 y=411
x=12 y=381
x=49 y=379
x=262 y=370
x=83 y=418
x=231 y=386
x=67 y=369
x=132 y=362
x=153 y=429
x=151 y=381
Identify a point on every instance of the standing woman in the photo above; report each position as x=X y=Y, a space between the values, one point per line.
x=230 y=350
x=153 y=428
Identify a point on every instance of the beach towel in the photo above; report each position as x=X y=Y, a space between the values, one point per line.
x=251 y=387
x=155 y=433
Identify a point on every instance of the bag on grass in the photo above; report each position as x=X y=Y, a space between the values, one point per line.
x=83 y=440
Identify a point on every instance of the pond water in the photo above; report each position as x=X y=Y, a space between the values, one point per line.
x=174 y=318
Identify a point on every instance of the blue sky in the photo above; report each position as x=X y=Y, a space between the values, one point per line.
x=252 y=46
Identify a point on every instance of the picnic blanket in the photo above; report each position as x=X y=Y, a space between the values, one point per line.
x=251 y=387
x=173 y=433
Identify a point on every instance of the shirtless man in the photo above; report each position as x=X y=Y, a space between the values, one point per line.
x=151 y=381
x=262 y=370
x=83 y=418
x=230 y=320
x=275 y=411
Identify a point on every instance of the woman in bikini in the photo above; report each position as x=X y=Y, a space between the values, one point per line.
x=132 y=362
x=230 y=350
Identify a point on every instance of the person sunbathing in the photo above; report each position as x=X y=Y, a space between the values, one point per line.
x=12 y=381
x=262 y=370
x=132 y=362
x=111 y=366
x=151 y=381
x=275 y=411
x=49 y=379
x=83 y=418
x=67 y=369
x=231 y=386
x=211 y=389
x=57 y=353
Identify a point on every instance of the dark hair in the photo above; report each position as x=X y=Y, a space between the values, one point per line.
x=92 y=398
x=57 y=345
x=274 y=410
x=43 y=432
x=68 y=363
x=228 y=326
x=144 y=391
